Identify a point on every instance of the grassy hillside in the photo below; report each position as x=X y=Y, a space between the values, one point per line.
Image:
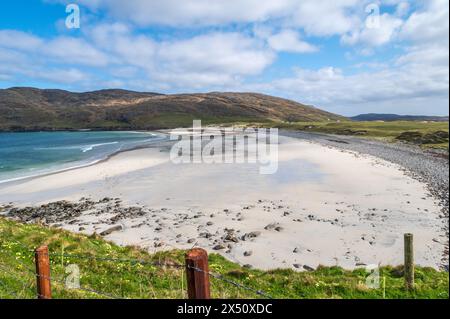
x=35 y=109
x=126 y=279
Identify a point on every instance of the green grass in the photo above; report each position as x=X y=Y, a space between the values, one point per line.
x=386 y=131
x=132 y=280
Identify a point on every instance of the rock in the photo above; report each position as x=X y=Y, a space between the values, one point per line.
x=191 y=240
x=308 y=268
x=81 y=229
x=297 y=265
x=296 y=250
x=209 y=223
x=231 y=237
x=251 y=235
x=278 y=228
x=360 y=264
x=248 y=253
x=219 y=247
x=111 y=230
x=205 y=235
x=271 y=226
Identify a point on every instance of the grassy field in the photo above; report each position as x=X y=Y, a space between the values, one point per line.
x=385 y=131
x=126 y=279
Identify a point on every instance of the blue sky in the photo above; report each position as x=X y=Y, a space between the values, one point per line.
x=345 y=56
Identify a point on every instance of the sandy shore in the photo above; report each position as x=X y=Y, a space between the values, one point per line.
x=323 y=206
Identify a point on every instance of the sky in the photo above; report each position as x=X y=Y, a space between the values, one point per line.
x=344 y=56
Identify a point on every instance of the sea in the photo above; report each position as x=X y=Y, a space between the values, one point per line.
x=30 y=154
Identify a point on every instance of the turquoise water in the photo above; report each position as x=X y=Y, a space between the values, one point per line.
x=30 y=154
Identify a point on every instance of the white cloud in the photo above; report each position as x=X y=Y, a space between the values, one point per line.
x=192 y=12
x=387 y=28
x=65 y=76
x=402 y=9
x=239 y=43
x=325 y=18
x=19 y=40
x=289 y=41
x=430 y=24
x=74 y=51
x=212 y=59
x=216 y=53
x=408 y=80
x=315 y=17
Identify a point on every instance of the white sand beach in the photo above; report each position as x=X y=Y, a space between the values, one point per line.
x=323 y=206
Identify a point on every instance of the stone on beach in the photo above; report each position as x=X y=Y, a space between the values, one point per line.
x=111 y=230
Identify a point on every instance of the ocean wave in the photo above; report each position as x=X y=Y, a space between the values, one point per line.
x=83 y=148
x=92 y=146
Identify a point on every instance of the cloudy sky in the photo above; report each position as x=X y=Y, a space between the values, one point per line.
x=346 y=56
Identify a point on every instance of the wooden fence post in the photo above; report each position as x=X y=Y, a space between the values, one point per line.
x=409 y=261
x=43 y=272
x=197 y=274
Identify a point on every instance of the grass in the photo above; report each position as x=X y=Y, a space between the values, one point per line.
x=133 y=280
x=385 y=131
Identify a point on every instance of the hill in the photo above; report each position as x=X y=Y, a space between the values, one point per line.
x=36 y=109
x=396 y=117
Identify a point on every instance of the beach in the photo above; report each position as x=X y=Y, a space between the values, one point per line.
x=323 y=206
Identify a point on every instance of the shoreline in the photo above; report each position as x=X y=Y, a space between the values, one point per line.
x=318 y=202
x=94 y=162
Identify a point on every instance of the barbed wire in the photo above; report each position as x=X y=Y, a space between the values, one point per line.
x=112 y=259
x=58 y=280
x=8 y=272
x=53 y=279
x=121 y=260
x=141 y=262
x=236 y=284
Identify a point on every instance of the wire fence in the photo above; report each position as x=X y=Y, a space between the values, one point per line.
x=196 y=270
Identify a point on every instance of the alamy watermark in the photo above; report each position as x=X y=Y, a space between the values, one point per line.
x=373 y=16
x=226 y=145
x=73 y=19
x=373 y=279
x=73 y=276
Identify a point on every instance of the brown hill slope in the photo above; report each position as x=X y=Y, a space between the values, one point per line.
x=36 y=109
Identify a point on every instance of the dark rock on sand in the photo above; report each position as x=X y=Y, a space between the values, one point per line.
x=111 y=230
x=308 y=268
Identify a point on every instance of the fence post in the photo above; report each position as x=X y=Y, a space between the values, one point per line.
x=197 y=274
x=409 y=261
x=43 y=272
